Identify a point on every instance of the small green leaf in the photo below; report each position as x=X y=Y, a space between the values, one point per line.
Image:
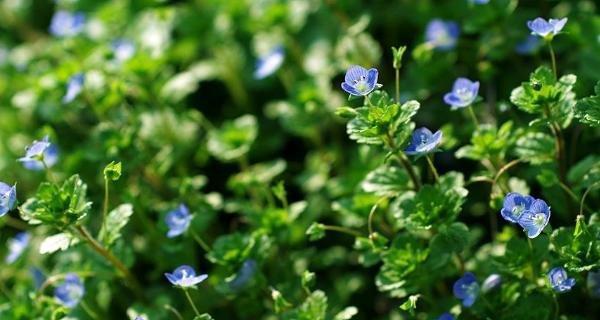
x=535 y=147
x=234 y=139
x=410 y=304
x=308 y=279
x=315 y=232
x=386 y=180
x=279 y=302
x=61 y=241
x=115 y=221
x=346 y=314
x=397 y=54
x=204 y=316
x=587 y=110
x=112 y=171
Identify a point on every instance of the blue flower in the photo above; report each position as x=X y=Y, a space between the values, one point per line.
x=74 y=87
x=528 y=45
x=268 y=64
x=442 y=35
x=123 y=49
x=466 y=289
x=8 y=198
x=244 y=275
x=185 y=277
x=360 y=81
x=66 y=24
x=446 y=316
x=39 y=153
x=178 y=221
x=515 y=205
x=491 y=282
x=546 y=29
x=535 y=219
x=70 y=292
x=559 y=281
x=463 y=94
x=593 y=283
x=16 y=246
x=423 y=141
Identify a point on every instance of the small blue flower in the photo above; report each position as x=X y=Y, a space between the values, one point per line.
x=528 y=45
x=178 y=221
x=8 y=198
x=360 y=81
x=66 y=24
x=463 y=94
x=423 y=141
x=446 y=316
x=38 y=277
x=39 y=153
x=559 y=281
x=466 y=289
x=593 y=283
x=70 y=292
x=268 y=64
x=492 y=282
x=185 y=277
x=74 y=87
x=244 y=275
x=535 y=219
x=546 y=29
x=16 y=247
x=123 y=49
x=442 y=35
x=515 y=204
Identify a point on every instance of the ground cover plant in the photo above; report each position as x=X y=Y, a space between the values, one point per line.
x=301 y=159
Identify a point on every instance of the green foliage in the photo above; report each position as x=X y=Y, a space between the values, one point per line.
x=116 y=220
x=234 y=139
x=60 y=206
x=587 y=109
x=112 y=171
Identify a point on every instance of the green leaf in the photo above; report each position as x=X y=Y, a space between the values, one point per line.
x=58 y=206
x=410 y=304
x=587 y=109
x=370 y=249
x=386 y=181
x=308 y=279
x=61 y=241
x=313 y=308
x=115 y=221
x=400 y=262
x=488 y=142
x=234 y=139
x=315 y=232
x=279 y=302
x=204 y=316
x=585 y=172
x=397 y=54
x=449 y=240
x=257 y=175
x=346 y=314
x=535 y=147
x=112 y=171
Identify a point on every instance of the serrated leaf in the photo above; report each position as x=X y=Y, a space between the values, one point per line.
x=587 y=109
x=115 y=221
x=385 y=180
x=315 y=232
x=60 y=241
x=535 y=147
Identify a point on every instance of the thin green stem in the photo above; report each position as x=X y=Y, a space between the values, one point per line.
x=187 y=294
x=201 y=242
x=105 y=205
x=556 y=306
x=585 y=194
x=342 y=230
x=553 y=59
x=473 y=116
x=389 y=140
x=174 y=311
x=49 y=174
x=534 y=271
x=96 y=246
x=372 y=215
x=398 y=85
x=88 y=310
x=436 y=176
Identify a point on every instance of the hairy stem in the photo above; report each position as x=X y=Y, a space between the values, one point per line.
x=436 y=176
x=398 y=86
x=372 y=215
x=552 y=56
x=96 y=246
x=105 y=206
x=342 y=230
x=187 y=294
x=404 y=161
x=473 y=116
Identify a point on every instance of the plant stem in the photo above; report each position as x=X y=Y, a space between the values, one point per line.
x=436 y=176
x=201 y=242
x=533 y=267
x=553 y=59
x=473 y=116
x=88 y=310
x=556 y=306
x=342 y=230
x=372 y=214
x=398 y=86
x=49 y=174
x=585 y=194
x=404 y=161
x=15 y=223
x=187 y=294
x=94 y=244
x=105 y=205
x=175 y=312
